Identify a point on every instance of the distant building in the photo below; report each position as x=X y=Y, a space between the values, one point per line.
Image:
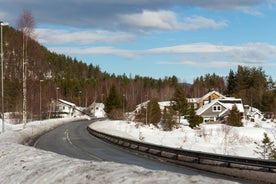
x=97 y=110
x=252 y=113
x=62 y=109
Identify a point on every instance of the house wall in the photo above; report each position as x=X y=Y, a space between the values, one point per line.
x=210 y=114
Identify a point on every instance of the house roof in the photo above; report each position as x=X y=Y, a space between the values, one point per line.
x=193 y=100
x=206 y=106
x=252 y=111
x=227 y=103
x=95 y=104
x=66 y=103
x=209 y=94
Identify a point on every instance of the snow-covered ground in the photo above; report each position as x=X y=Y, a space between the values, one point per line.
x=213 y=138
x=25 y=164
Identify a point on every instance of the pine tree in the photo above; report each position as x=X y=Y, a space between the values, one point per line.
x=267 y=149
x=231 y=83
x=179 y=101
x=234 y=117
x=113 y=101
x=194 y=120
x=153 y=112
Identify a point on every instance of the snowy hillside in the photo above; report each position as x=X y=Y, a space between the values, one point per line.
x=24 y=164
x=213 y=138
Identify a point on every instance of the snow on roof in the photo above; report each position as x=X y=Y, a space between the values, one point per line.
x=66 y=102
x=227 y=103
x=252 y=111
x=193 y=100
x=206 y=106
x=95 y=104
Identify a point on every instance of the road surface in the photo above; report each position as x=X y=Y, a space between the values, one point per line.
x=73 y=140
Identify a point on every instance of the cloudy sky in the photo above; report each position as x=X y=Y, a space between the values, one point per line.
x=156 y=38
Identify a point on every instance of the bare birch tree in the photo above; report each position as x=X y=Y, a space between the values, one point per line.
x=26 y=25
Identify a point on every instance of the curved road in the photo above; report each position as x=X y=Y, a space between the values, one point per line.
x=73 y=140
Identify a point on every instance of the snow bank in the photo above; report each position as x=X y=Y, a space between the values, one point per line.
x=24 y=164
x=16 y=133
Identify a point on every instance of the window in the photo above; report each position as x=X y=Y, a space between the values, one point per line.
x=216 y=108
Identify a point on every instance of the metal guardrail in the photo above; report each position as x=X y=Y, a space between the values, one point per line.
x=179 y=155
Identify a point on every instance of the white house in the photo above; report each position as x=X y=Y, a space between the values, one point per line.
x=97 y=110
x=253 y=113
x=218 y=109
x=62 y=108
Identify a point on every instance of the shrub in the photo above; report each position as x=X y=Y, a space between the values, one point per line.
x=116 y=114
x=168 y=119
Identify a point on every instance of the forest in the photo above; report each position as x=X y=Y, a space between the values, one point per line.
x=58 y=76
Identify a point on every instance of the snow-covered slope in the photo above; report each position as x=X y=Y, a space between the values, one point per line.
x=212 y=138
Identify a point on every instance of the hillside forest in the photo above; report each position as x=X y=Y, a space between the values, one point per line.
x=58 y=76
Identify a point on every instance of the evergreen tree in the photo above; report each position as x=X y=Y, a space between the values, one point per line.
x=179 y=101
x=231 y=83
x=113 y=101
x=153 y=112
x=234 y=117
x=267 y=149
x=194 y=120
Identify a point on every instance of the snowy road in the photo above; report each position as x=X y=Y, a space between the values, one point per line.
x=73 y=140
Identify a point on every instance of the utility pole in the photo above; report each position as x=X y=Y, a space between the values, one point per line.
x=40 y=107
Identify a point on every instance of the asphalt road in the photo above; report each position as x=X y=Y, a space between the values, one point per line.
x=73 y=140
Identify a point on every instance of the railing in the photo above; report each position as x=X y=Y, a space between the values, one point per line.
x=199 y=159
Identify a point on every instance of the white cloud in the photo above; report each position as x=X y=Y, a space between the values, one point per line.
x=150 y=19
x=190 y=48
x=251 y=11
x=167 y=20
x=96 y=51
x=199 y=22
x=220 y=56
x=77 y=36
x=198 y=54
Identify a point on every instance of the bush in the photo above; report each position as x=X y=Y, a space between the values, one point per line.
x=168 y=119
x=140 y=116
x=116 y=114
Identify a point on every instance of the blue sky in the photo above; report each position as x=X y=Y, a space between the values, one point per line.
x=156 y=38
